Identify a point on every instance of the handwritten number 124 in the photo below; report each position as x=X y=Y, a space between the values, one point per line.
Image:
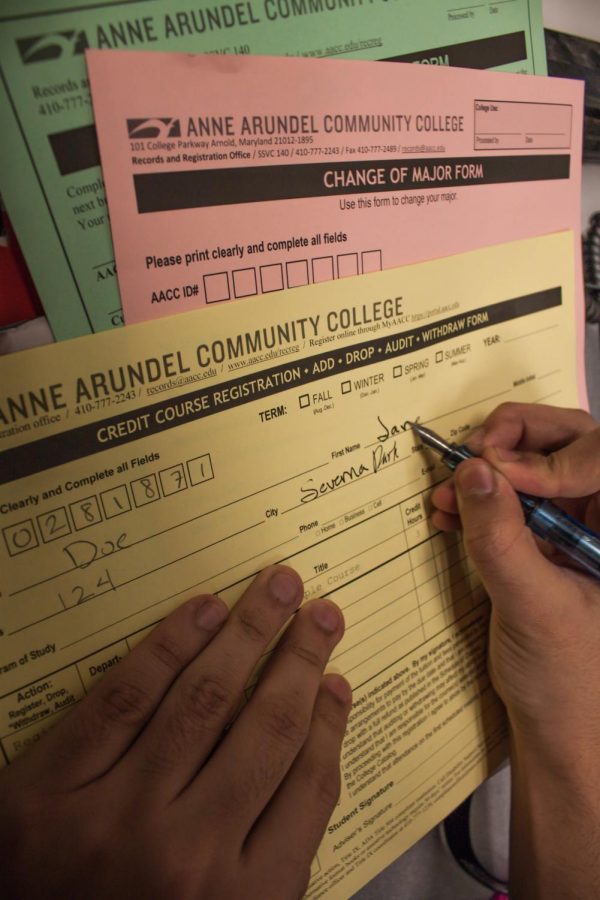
x=79 y=594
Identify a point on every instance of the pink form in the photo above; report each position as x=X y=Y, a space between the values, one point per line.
x=229 y=176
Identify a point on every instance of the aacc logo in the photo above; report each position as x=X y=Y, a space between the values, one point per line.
x=57 y=45
x=153 y=128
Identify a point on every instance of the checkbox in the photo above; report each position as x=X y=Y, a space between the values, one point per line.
x=371 y=261
x=216 y=287
x=397 y=372
x=244 y=282
x=347 y=264
x=271 y=278
x=322 y=268
x=304 y=401
x=439 y=355
x=346 y=387
x=297 y=272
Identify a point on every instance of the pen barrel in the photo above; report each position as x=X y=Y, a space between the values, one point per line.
x=457 y=454
x=563 y=531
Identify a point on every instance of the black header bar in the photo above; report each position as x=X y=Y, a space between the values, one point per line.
x=67 y=446
x=76 y=149
x=197 y=188
x=485 y=53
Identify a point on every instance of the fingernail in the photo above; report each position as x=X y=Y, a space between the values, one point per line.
x=327 y=617
x=285 y=589
x=210 y=614
x=339 y=687
x=476 y=479
x=507 y=455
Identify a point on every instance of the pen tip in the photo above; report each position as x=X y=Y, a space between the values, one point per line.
x=431 y=439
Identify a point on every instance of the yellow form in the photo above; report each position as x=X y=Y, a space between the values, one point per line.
x=143 y=466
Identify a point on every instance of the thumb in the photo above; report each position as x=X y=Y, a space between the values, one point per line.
x=513 y=570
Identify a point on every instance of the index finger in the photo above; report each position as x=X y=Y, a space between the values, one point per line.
x=263 y=743
x=573 y=471
x=531 y=426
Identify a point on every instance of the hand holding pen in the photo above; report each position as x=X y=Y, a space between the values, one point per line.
x=567 y=470
x=547 y=520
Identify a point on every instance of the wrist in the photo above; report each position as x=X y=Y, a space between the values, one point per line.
x=555 y=821
x=567 y=767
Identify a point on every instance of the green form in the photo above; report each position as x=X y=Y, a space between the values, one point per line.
x=50 y=176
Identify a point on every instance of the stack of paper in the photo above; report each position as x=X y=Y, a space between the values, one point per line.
x=310 y=252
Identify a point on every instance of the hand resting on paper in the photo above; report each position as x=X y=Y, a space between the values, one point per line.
x=544 y=653
x=141 y=791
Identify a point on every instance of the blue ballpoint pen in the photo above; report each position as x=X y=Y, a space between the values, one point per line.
x=544 y=518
